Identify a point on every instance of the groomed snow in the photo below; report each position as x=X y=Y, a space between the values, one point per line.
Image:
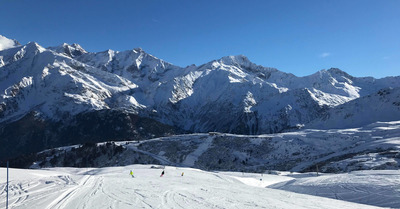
x=113 y=188
x=379 y=188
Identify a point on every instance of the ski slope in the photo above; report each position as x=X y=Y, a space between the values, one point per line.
x=113 y=188
x=380 y=188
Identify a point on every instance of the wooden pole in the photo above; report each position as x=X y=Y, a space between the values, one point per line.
x=7 y=188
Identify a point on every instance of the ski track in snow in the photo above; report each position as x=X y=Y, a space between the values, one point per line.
x=192 y=157
x=62 y=200
x=157 y=157
x=114 y=188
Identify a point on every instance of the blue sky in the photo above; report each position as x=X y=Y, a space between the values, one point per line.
x=361 y=37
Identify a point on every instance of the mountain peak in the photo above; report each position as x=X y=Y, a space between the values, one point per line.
x=75 y=45
x=333 y=72
x=34 y=46
x=73 y=50
x=6 y=43
x=236 y=59
x=337 y=71
x=138 y=49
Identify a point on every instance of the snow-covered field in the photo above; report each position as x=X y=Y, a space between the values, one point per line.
x=380 y=188
x=113 y=187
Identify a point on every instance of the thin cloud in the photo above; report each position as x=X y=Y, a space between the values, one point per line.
x=325 y=54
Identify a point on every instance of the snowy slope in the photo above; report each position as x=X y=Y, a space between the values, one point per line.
x=379 y=188
x=381 y=106
x=114 y=188
x=34 y=78
x=376 y=146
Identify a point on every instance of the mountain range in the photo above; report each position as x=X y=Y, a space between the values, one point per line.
x=65 y=95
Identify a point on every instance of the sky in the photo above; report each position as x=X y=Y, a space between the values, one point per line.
x=361 y=37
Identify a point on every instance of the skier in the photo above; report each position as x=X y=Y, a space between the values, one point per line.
x=131 y=173
x=162 y=174
x=182 y=174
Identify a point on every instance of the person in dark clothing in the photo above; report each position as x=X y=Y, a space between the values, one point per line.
x=162 y=173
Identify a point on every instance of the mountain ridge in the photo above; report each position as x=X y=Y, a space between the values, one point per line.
x=139 y=70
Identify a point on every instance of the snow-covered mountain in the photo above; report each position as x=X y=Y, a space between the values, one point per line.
x=383 y=105
x=232 y=94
